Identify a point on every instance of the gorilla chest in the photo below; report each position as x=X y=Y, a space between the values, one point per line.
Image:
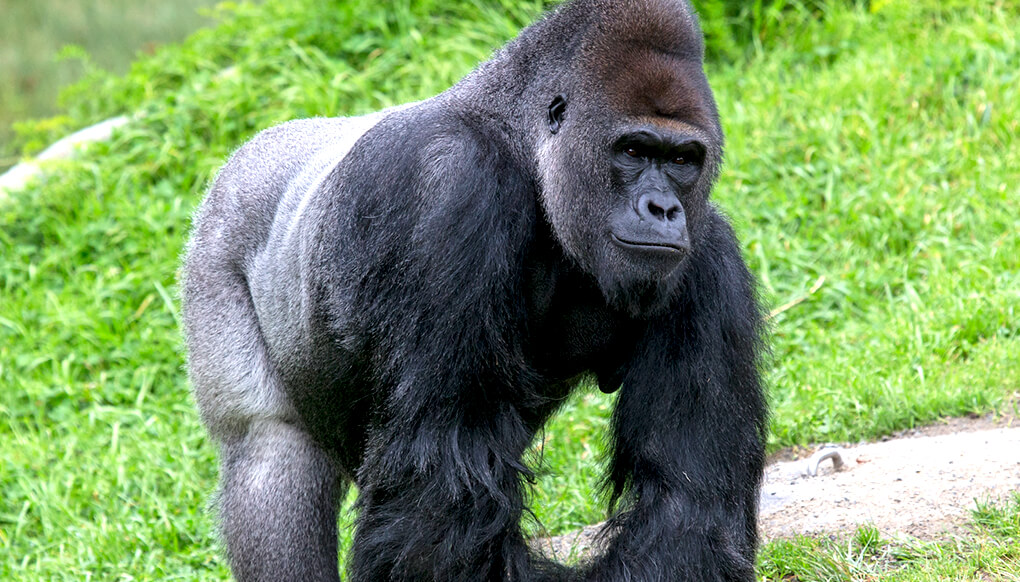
x=571 y=330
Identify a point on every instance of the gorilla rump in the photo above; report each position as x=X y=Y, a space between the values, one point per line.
x=401 y=300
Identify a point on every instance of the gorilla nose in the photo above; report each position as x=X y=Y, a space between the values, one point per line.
x=661 y=207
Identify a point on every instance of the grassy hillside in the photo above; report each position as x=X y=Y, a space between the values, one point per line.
x=872 y=172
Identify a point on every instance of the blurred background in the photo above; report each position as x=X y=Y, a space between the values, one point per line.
x=46 y=45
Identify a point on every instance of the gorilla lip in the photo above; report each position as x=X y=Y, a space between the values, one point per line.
x=649 y=246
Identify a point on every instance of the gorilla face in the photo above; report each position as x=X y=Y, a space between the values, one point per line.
x=627 y=207
x=653 y=171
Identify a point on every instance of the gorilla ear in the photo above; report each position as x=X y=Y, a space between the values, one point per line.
x=557 y=109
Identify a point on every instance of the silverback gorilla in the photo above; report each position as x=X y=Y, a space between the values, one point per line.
x=401 y=300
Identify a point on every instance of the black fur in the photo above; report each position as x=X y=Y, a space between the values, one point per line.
x=402 y=300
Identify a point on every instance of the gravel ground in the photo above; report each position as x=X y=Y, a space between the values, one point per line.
x=922 y=483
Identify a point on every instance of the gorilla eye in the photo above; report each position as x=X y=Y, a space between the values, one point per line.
x=632 y=152
x=679 y=160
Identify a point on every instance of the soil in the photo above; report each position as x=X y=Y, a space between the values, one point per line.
x=921 y=483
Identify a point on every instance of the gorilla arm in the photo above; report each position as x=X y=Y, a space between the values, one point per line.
x=688 y=432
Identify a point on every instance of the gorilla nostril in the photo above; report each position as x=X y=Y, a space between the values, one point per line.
x=657 y=208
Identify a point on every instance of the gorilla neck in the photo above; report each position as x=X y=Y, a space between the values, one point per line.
x=571 y=327
x=640 y=299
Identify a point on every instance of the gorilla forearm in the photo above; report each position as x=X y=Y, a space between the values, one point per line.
x=445 y=506
x=688 y=434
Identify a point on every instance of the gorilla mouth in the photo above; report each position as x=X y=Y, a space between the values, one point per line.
x=658 y=246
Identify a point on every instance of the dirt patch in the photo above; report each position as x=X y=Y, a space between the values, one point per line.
x=921 y=482
x=924 y=486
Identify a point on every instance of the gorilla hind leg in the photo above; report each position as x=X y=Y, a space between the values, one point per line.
x=278 y=506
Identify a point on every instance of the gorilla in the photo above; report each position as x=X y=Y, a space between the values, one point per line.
x=399 y=301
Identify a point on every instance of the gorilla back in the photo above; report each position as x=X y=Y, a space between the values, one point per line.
x=401 y=300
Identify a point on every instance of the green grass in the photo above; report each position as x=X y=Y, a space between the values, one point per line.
x=990 y=550
x=873 y=150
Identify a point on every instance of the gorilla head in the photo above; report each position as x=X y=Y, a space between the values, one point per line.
x=401 y=300
x=631 y=147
